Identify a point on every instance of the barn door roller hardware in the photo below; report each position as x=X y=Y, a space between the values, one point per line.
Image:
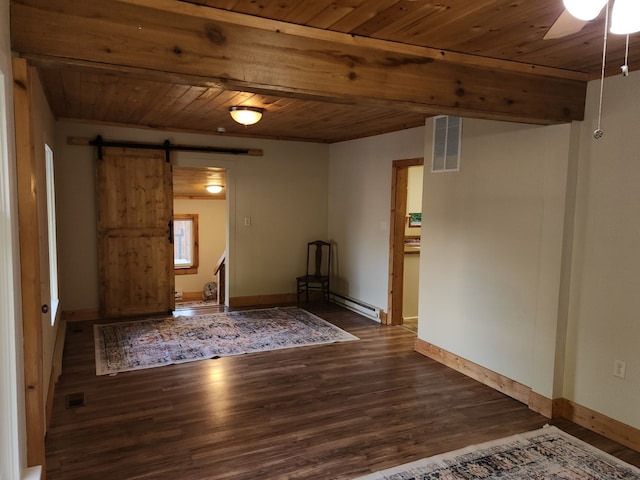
x=100 y=143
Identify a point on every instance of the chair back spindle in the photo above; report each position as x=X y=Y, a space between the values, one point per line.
x=320 y=266
x=317 y=272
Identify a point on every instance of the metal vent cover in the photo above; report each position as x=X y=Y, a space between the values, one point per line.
x=447 y=135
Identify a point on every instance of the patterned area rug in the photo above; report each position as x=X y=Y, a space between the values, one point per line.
x=548 y=453
x=121 y=347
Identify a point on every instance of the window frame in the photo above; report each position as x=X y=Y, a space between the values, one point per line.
x=193 y=268
x=52 y=234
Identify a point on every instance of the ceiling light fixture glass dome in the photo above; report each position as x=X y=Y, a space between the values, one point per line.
x=246 y=115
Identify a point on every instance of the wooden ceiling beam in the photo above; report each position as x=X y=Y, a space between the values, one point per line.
x=239 y=52
x=261 y=23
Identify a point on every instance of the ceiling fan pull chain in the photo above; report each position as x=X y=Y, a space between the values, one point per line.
x=625 y=67
x=598 y=133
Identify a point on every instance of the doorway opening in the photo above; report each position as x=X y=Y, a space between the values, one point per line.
x=200 y=233
x=406 y=234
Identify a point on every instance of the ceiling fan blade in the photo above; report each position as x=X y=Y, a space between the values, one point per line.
x=565 y=25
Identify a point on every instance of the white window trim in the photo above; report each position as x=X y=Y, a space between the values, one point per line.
x=52 y=234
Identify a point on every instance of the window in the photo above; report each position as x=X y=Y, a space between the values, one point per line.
x=185 y=243
x=51 y=227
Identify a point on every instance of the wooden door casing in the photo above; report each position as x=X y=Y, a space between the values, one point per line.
x=399 y=182
x=135 y=248
x=26 y=182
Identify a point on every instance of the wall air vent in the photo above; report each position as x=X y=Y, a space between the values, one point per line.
x=447 y=133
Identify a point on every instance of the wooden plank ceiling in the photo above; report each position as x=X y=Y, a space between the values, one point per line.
x=325 y=71
x=191 y=182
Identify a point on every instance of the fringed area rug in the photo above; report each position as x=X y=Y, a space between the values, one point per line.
x=548 y=453
x=121 y=347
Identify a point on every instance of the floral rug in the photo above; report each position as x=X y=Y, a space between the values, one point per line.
x=548 y=453
x=125 y=346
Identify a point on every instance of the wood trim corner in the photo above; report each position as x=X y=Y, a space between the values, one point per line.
x=556 y=407
x=601 y=424
x=541 y=404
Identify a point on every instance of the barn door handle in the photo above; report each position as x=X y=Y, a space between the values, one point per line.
x=170 y=231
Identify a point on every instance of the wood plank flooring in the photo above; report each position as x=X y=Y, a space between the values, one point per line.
x=323 y=412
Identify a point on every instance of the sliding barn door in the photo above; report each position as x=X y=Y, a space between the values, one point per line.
x=135 y=252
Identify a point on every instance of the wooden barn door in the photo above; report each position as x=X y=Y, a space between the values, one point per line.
x=135 y=244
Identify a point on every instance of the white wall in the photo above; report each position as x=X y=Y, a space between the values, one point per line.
x=44 y=133
x=605 y=304
x=495 y=287
x=360 y=210
x=212 y=228
x=491 y=249
x=284 y=193
x=12 y=434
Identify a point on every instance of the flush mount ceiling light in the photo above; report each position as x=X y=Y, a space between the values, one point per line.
x=246 y=115
x=214 y=188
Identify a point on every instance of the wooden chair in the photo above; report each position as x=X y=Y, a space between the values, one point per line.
x=318 y=273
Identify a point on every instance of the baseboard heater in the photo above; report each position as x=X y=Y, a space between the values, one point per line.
x=356 y=305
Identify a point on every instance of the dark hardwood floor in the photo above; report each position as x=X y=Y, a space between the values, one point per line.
x=324 y=412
